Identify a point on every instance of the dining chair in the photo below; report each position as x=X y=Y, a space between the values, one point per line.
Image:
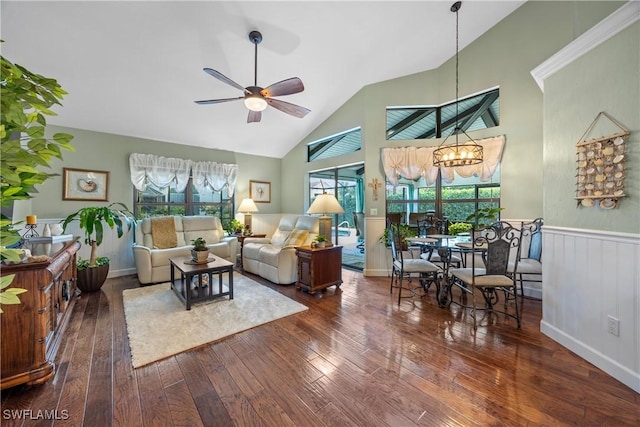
x=406 y=268
x=499 y=241
x=531 y=264
x=358 y=220
x=440 y=253
x=394 y=217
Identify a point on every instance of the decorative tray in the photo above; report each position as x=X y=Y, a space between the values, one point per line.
x=192 y=262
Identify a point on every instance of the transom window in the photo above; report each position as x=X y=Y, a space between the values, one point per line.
x=336 y=145
x=425 y=122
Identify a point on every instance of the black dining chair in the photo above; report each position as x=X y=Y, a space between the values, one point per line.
x=406 y=268
x=358 y=220
x=438 y=253
x=531 y=263
x=499 y=241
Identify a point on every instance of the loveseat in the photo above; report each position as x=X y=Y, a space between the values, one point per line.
x=159 y=238
x=275 y=258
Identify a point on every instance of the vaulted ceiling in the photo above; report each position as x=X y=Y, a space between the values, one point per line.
x=135 y=68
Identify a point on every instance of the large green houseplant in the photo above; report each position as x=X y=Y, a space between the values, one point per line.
x=93 y=272
x=484 y=216
x=25 y=100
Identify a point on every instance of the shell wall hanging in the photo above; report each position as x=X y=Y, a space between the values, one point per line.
x=601 y=168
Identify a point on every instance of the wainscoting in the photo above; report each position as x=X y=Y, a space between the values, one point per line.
x=118 y=250
x=588 y=276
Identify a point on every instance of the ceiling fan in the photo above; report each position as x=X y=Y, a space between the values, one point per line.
x=257 y=98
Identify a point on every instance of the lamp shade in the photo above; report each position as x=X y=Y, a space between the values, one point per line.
x=325 y=204
x=247 y=206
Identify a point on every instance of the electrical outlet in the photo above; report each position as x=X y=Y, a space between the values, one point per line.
x=613 y=326
x=373 y=212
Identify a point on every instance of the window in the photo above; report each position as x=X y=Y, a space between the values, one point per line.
x=475 y=112
x=336 y=145
x=454 y=201
x=167 y=201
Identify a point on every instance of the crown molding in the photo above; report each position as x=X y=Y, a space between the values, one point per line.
x=599 y=33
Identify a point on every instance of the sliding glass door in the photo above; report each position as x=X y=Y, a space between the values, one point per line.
x=347 y=185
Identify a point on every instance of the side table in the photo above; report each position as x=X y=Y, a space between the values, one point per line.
x=194 y=282
x=319 y=268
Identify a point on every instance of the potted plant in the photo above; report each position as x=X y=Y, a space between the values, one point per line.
x=459 y=228
x=235 y=226
x=484 y=216
x=401 y=231
x=200 y=252
x=93 y=272
x=321 y=241
x=26 y=98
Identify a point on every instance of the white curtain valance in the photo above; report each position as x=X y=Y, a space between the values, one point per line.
x=214 y=176
x=415 y=162
x=162 y=172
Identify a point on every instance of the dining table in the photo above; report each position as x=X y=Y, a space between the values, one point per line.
x=445 y=245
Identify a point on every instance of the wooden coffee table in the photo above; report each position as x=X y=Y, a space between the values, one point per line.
x=195 y=283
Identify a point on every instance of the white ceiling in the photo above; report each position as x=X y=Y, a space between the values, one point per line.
x=134 y=68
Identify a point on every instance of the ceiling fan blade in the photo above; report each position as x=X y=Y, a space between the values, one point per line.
x=218 y=75
x=254 y=116
x=217 y=101
x=285 y=87
x=286 y=107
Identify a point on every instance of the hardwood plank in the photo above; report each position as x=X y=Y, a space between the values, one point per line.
x=237 y=404
x=126 y=397
x=100 y=388
x=74 y=392
x=354 y=358
x=276 y=387
x=153 y=401
x=182 y=406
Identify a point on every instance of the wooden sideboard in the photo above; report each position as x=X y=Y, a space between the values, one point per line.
x=31 y=330
x=319 y=268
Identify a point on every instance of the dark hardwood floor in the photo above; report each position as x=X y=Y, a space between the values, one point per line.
x=355 y=358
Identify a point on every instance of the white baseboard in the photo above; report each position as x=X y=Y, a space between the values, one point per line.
x=610 y=366
x=119 y=273
x=376 y=272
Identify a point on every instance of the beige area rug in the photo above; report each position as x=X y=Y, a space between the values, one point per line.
x=159 y=326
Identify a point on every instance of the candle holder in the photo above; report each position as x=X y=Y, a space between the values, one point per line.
x=31 y=231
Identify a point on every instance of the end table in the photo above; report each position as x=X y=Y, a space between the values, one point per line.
x=319 y=268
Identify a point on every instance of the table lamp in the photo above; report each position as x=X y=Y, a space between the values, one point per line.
x=325 y=204
x=247 y=206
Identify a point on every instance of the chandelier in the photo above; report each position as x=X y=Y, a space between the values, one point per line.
x=469 y=153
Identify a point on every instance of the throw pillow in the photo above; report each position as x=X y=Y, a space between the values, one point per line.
x=163 y=230
x=296 y=238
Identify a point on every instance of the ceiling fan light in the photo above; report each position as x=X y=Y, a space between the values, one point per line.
x=255 y=103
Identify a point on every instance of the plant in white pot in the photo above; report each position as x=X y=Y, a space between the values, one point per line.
x=321 y=241
x=93 y=272
x=200 y=252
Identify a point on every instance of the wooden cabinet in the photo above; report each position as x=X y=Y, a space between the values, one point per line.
x=319 y=268
x=31 y=330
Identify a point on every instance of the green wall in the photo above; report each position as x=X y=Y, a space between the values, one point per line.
x=108 y=152
x=604 y=79
x=504 y=57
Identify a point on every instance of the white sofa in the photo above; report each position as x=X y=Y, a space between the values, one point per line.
x=274 y=258
x=152 y=263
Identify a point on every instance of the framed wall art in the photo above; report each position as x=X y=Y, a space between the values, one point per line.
x=260 y=191
x=85 y=184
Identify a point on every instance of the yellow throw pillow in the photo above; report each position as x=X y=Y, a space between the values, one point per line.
x=163 y=230
x=296 y=238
